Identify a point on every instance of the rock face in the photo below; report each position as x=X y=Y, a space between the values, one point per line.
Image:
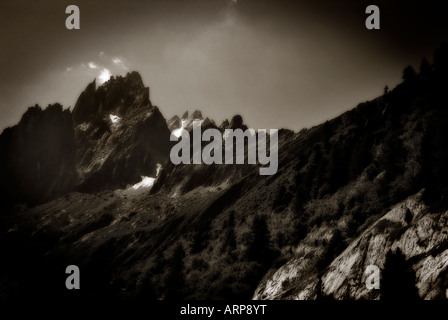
x=123 y=152
x=186 y=121
x=237 y=123
x=117 y=96
x=37 y=157
x=181 y=179
x=174 y=123
x=85 y=107
x=409 y=229
x=121 y=136
x=224 y=125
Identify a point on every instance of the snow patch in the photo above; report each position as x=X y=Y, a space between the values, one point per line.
x=178 y=132
x=185 y=123
x=115 y=119
x=146 y=182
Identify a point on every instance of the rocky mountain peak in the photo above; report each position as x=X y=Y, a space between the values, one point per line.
x=123 y=136
x=38 y=156
x=174 y=123
x=196 y=115
x=186 y=121
x=237 y=122
x=117 y=96
x=225 y=124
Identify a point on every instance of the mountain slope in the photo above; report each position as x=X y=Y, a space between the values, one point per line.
x=409 y=232
x=349 y=192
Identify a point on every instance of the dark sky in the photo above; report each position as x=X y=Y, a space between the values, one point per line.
x=288 y=64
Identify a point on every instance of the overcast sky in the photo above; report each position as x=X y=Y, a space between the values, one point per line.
x=289 y=64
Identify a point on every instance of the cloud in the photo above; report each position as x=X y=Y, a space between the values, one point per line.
x=92 y=65
x=120 y=63
x=231 y=3
x=102 y=67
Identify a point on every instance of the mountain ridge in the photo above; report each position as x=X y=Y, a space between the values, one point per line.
x=223 y=231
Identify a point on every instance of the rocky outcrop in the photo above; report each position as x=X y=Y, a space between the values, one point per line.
x=118 y=96
x=86 y=105
x=196 y=115
x=124 y=138
x=174 y=123
x=224 y=125
x=237 y=123
x=121 y=95
x=409 y=229
x=186 y=121
x=181 y=179
x=37 y=157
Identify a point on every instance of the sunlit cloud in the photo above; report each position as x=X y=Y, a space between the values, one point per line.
x=92 y=65
x=120 y=63
x=102 y=67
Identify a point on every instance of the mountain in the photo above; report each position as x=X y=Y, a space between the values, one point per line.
x=365 y=188
x=120 y=136
x=37 y=157
x=113 y=138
